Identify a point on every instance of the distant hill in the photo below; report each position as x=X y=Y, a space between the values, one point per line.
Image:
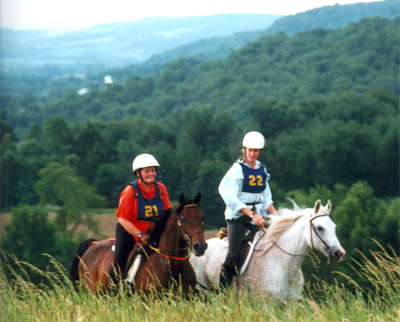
x=317 y=63
x=121 y=44
x=328 y=17
x=335 y=17
x=144 y=47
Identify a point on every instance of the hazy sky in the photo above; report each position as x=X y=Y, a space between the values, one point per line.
x=73 y=14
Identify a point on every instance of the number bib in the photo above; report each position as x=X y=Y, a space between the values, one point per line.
x=148 y=210
x=254 y=180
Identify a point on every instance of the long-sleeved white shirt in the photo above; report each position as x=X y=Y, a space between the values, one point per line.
x=230 y=190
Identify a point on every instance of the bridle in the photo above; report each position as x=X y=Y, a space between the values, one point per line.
x=312 y=228
x=185 y=235
x=316 y=232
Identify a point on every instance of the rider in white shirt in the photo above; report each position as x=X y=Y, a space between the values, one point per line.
x=247 y=195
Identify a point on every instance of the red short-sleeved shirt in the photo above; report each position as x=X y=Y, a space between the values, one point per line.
x=127 y=208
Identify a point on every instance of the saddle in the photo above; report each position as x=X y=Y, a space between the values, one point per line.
x=136 y=259
x=249 y=243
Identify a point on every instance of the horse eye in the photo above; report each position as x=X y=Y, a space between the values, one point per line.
x=319 y=228
x=184 y=220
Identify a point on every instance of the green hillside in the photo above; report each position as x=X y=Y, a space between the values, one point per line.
x=326 y=101
x=327 y=17
x=359 y=58
x=292 y=81
x=334 y=17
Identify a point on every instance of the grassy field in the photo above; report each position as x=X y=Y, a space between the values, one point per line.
x=23 y=301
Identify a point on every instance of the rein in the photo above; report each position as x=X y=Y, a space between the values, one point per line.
x=158 y=251
x=287 y=253
x=312 y=227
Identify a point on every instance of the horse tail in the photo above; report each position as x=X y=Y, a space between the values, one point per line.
x=83 y=246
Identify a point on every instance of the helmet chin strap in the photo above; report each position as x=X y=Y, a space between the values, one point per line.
x=141 y=179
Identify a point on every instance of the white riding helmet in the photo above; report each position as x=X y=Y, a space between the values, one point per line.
x=144 y=160
x=254 y=140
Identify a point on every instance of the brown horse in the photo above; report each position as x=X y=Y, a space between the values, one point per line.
x=166 y=267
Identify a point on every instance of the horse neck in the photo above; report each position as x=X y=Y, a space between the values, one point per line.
x=171 y=238
x=291 y=247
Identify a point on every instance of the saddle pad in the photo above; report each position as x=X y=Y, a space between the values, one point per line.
x=98 y=241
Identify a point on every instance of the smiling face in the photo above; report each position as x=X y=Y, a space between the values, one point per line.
x=148 y=174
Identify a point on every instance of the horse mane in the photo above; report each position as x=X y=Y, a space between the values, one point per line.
x=279 y=224
x=159 y=227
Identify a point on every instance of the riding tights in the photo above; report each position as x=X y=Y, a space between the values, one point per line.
x=237 y=229
x=124 y=244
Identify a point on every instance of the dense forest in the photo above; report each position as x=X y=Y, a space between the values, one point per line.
x=334 y=17
x=326 y=101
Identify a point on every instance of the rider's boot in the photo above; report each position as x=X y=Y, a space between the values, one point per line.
x=225 y=278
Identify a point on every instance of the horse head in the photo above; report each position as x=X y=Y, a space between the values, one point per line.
x=190 y=219
x=322 y=235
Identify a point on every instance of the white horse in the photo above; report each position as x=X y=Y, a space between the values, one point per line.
x=275 y=267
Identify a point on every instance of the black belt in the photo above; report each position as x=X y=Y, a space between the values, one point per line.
x=252 y=203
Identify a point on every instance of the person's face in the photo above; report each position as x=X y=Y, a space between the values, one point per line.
x=252 y=154
x=148 y=174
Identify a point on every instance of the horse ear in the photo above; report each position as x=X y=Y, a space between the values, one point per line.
x=328 y=206
x=182 y=199
x=317 y=206
x=197 y=198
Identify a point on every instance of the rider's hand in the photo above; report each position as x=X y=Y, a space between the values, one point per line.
x=258 y=220
x=145 y=238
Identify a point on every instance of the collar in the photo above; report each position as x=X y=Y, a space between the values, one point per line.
x=247 y=165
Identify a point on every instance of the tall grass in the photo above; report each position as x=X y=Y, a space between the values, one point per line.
x=56 y=299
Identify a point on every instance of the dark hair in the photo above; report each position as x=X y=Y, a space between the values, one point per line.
x=138 y=170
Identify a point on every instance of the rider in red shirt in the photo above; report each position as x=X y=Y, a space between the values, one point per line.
x=141 y=203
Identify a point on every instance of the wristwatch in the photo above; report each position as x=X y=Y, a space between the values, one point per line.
x=140 y=235
x=252 y=215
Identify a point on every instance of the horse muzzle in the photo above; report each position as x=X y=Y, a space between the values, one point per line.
x=199 y=248
x=336 y=255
